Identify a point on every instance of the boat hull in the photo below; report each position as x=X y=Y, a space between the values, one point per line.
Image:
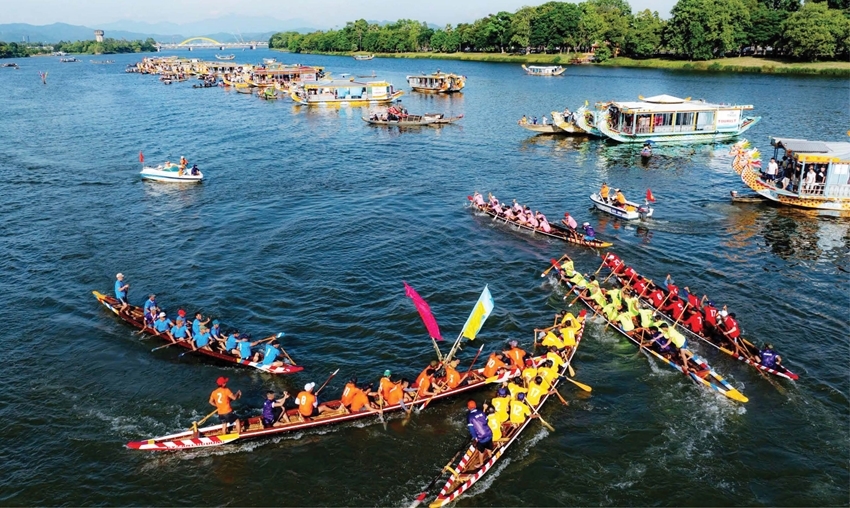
x=160 y=175
x=619 y=212
x=346 y=102
x=673 y=138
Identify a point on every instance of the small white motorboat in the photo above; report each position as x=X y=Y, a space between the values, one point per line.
x=633 y=211
x=170 y=174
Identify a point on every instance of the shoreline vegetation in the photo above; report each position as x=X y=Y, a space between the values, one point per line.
x=91 y=47
x=744 y=64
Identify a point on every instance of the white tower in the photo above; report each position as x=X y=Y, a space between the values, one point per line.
x=98 y=35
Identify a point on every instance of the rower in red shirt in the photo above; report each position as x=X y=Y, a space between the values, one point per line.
x=710 y=313
x=657 y=298
x=639 y=286
x=668 y=283
x=675 y=307
x=731 y=329
x=613 y=262
x=694 y=322
x=693 y=301
x=630 y=275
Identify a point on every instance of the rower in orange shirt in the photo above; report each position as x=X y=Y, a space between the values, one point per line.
x=429 y=370
x=220 y=398
x=385 y=385
x=494 y=364
x=516 y=355
x=453 y=378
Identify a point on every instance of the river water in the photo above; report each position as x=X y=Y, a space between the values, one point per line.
x=309 y=222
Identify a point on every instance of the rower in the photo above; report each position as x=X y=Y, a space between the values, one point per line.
x=519 y=410
x=619 y=199
x=151 y=314
x=308 y=404
x=396 y=394
x=691 y=298
x=549 y=339
x=501 y=403
x=494 y=424
x=121 y=288
x=674 y=307
x=270 y=354
x=220 y=398
x=150 y=302
x=531 y=218
x=569 y=221
x=536 y=389
x=669 y=286
x=478 y=199
x=516 y=207
x=695 y=322
x=604 y=191
x=548 y=372
x=494 y=364
x=589 y=233
x=632 y=303
x=656 y=297
x=529 y=373
x=425 y=383
x=516 y=355
x=244 y=348
x=768 y=357
x=544 y=223
x=731 y=330
x=202 y=340
x=385 y=385
x=179 y=331
x=567 y=268
x=273 y=410
x=711 y=314
x=480 y=431
x=679 y=341
x=625 y=320
x=161 y=325
x=196 y=324
x=453 y=378
x=231 y=343
x=630 y=275
x=354 y=398
x=639 y=286
x=614 y=263
x=427 y=372
x=515 y=387
x=215 y=331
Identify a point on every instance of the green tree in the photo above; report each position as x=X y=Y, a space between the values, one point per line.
x=644 y=37
x=816 y=32
x=704 y=29
x=521 y=27
x=616 y=18
x=591 y=26
x=555 y=25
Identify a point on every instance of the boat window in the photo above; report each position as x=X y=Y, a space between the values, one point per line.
x=684 y=122
x=705 y=120
x=663 y=122
x=644 y=124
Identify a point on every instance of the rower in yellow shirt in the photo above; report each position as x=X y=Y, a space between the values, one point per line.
x=551 y=340
x=501 y=404
x=556 y=359
x=536 y=389
x=528 y=374
x=519 y=410
x=548 y=372
x=515 y=389
x=495 y=424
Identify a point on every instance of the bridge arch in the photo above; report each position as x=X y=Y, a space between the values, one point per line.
x=207 y=39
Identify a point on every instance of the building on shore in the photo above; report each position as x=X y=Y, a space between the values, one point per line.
x=98 y=35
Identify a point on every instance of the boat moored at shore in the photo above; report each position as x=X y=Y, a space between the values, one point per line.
x=344 y=93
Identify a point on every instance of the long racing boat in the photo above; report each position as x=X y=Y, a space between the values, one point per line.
x=135 y=317
x=462 y=474
x=557 y=231
x=698 y=370
x=750 y=349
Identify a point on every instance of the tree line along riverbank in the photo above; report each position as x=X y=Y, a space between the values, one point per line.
x=788 y=31
x=90 y=47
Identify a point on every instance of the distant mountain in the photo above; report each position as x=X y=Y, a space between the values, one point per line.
x=222 y=29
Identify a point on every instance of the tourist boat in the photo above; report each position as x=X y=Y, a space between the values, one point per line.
x=559 y=232
x=462 y=476
x=363 y=57
x=135 y=316
x=633 y=211
x=666 y=119
x=698 y=369
x=831 y=192
x=170 y=174
x=543 y=70
x=269 y=60
x=344 y=93
x=438 y=82
x=281 y=77
x=428 y=119
x=751 y=349
x=212 y=436
x=69 y=60
x=225 y=57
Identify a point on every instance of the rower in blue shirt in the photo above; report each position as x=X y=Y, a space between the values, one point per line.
x=215 y=331
x=270 y=355
x=231 y=343
x=245 y=353
x=150 y=302
x=179 y=331
x=202 y=339
x=121 y=288
x=196 y=324
x=161 y=325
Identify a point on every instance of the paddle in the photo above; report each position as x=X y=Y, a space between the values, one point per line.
x=580 y=385
x=326 y=382
x=563 y=401
x=381 y=408
x=542 y=421
x=194 y=428
x=474 y=360
x=177 y=341
x=554 y=264
x=422 y=495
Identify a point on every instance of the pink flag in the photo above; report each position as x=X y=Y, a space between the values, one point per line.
x=424 y=312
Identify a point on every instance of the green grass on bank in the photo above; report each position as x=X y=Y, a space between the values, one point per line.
x=735 y=64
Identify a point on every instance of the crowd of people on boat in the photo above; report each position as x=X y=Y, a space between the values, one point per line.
x=393 y=114
x=789 y=176
x=524 y=216
x=623 y=307
x=517 y=398
x=182 y=167
x=533 y=121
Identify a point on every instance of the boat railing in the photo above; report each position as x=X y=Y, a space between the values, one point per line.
x=813 y=189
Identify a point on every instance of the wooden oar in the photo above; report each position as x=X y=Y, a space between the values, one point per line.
x=474 y=360
x=422 y=495
x=381 y=408
x=542 y=421
x=326 y=382
x=600 y=266
x=554 y=264
x=176 y=341
x=194 y=427
x=556 y=392
x=580 y=385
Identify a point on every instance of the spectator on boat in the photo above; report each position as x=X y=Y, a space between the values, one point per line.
x=589 y=233
x=772 y=170
x=220 y=398
x=121 y=288
x=534 y=121
x=768 y=357
x=482 y=436
x=543 y=120
x=195 y=170
x=811 y=176
x=569 y=221
x=820 y=178
x=523 y=120
x=603 y=192
x=308 y=404
x=273 y=410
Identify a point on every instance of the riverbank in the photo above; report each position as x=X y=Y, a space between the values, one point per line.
x=735 y=64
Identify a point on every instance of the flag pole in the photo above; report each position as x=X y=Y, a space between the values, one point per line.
x=437 y=349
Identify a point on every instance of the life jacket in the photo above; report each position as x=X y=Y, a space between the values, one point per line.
x=305 y=401
x=568 y=337
x=675 y=337
x=550 y=339
x=477 y=422
x=768 y=358
x=493 y=364
x=645 y=318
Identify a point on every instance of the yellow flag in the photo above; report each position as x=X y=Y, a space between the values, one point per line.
x=480 y=313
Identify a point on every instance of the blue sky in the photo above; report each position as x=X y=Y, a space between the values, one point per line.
x=319 y=13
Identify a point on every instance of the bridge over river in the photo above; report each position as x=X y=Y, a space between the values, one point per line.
x=207 y=43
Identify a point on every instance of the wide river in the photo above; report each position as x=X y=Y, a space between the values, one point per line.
x=308 y=223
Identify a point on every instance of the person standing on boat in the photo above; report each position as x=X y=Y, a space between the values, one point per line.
x=772 y=170
x=482 y=436
x=121 y=288
x=220 y=398
x=603 y=192
x=150 y=302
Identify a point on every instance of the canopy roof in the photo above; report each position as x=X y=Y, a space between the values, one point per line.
x=669 y=104
x=342 y=83
x=839 y=149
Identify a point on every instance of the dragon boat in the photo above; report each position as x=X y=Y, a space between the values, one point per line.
x=698 y=368
x=213 y=436
x=135 y=317
x=750 y=349
x=559 y=232
x=462 y=474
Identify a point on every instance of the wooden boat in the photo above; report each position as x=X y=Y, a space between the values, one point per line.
x=633 y=211
x=747 y=198
x=438 y=82
x=558 y=231
x=751 y=349
x=667 y=119
x=406 y=121
x=268 y=94
x=831 y=192
x=539 y=128
x=225 y=57
x=212 y=436
x=344 y=93
x=567 y=124
x=699 y=370
x=170 y=174
x=441 y=119
x=362 y=58
x=463 y=477
x=269 y=60
x=135 y=317
x=544 y=70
